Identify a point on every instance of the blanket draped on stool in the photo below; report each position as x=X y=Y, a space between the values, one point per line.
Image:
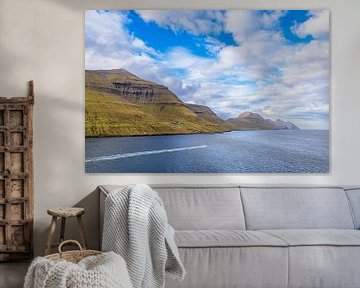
x=136 y=227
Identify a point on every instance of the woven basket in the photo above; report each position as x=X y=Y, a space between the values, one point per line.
x=72 y=256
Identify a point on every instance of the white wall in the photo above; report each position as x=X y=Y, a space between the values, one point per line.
x=43 y=40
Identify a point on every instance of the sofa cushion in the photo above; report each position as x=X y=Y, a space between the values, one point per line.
x=296 y=208
x=224 y=267
x=226 y=238
x=324 y=266
x=354 y=198
x=322 y=258
x=199 y=207
x=191 y=208
x=317 y=237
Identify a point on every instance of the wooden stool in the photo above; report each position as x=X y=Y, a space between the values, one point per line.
x=64 y=213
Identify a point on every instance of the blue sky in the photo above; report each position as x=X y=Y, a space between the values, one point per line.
x=272 y=62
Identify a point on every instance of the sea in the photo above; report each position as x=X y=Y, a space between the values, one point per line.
x=269 y=151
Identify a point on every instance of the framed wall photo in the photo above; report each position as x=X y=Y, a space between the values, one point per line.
x=207 y=91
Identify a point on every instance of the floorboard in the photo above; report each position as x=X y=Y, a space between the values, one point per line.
x=12 y=274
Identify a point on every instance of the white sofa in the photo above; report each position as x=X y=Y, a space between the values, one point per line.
x=264 y=237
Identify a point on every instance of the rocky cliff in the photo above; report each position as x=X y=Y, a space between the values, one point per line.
x=129 y=87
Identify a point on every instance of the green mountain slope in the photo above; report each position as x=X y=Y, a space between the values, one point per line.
x=120 y=104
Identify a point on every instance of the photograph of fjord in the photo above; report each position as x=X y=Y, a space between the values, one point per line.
x=234 y=91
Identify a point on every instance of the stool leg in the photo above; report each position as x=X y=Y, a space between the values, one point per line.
x=51 y=235
x=82 y=232
x=62 y=230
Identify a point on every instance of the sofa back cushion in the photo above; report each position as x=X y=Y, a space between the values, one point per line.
x=354 y=198
x=296 y=208
x=203 y=208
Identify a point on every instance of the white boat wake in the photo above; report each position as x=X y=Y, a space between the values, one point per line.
x=142 y=153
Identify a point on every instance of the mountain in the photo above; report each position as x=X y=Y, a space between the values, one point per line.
x=119 y=103
x=206 y=113
x=253 y=121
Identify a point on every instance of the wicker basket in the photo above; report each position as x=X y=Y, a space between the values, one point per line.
x=72 y=256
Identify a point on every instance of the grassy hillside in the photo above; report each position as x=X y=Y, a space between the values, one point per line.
x=108 y=114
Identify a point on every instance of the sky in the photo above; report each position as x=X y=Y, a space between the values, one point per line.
x=272 y=62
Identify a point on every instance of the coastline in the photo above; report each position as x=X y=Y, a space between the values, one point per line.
x=163 y=134
x=194 y=133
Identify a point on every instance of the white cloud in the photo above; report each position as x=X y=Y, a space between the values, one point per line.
x=271 y=20
x=317 y=25
x=241 y=23
x=244 y=23
x=213 y=45
x=197 y=22
x=292 y=80
x=109 y=45
x=99 y=27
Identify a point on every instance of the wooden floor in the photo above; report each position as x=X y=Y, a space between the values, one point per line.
x=12 y=274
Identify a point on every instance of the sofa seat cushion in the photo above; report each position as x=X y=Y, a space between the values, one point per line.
x=323 y=258
x=233 y=267
x=225 y=238
x=317 y=237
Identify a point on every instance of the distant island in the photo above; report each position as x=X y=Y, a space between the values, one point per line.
x=118 y=103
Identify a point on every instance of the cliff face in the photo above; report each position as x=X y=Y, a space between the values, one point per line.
x=129 y=87
x=254 y=121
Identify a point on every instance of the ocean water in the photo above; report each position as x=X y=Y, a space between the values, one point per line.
x=272 y=151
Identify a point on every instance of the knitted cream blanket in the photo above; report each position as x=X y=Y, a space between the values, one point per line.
x=103 y=271
x=136 y=227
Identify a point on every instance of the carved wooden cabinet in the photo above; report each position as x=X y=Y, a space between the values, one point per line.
x=16 y=177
